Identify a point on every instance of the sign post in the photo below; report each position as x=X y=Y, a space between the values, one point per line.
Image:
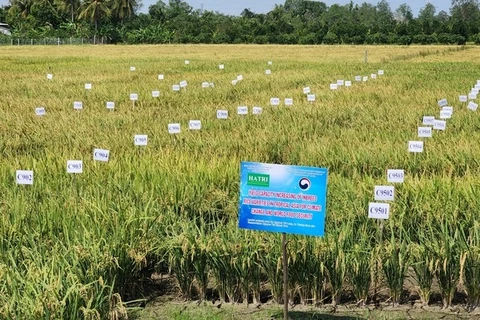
x=283 y=198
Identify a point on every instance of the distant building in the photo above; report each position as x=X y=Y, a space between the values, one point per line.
x=5 y=29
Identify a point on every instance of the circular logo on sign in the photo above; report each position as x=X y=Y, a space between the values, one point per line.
x=304 y=184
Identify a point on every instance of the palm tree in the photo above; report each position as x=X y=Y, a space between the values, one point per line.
x=23 y=7
x=123 y=9
x=94 y=11
x=70 y=6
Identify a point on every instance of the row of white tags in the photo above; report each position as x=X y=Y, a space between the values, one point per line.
x=427 y=132
x=276 y=101
x=73 y=166
x=385 y=193
x=346 y=83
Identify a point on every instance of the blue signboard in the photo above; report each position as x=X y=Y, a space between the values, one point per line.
x=282 y=198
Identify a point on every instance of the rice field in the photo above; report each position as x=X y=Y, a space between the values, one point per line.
x=78 y=245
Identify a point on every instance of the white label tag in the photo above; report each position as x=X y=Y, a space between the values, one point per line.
x=205 y=85
x=395 y=175
x=110 y=105
x=88 y=86
x=440 y=125
x=155 y=94
x=274 y=101
x=222 y=114
x=268 y=72
x=379 y=211
x=257 y=110
x=187 y=61
x=161 y=77
x=270 y=63
x=333 y=86
x=212 y=85
x=50 y=76
x=424 y=132
x=463 y=98
x=365 y=79
x=373 y=76
x=445 y=114
x=240 y=78
x=140 y=140
x=289 y=101
x=133 y=97
x=195 y=125
x=40 y=111
x=133 y=68
x=358 y=78
x=340 y=83
x=442 y=103
x=234 y=82
x=174 y=128
x=380 y=72
x=101 y=155
x=384 y=193
x=242 y=110
x=24 y=177
x=472 y=106
x=428 y=120
x=415 y=146
x=183 y=84
x=221 y=66
x=306 y=90
x=472 y=96
x=348 y=84
x=74 y=166
x=78 y=105
x=311 y=98
x=176 y=87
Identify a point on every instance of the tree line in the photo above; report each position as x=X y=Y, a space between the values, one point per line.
x=294 y=22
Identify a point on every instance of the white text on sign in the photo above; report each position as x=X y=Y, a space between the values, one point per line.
x=101 y=155
x=424 y=132
x=384 y=193
x=274 y=101
x=257 y=110
x=195 y=125
x=242 y=111
x=472 y=106
x=428 y=120
x=440 y=125
x=78 y=105
x=395 y=175
x=24 y=177
x=442 y=103
x=379 y=210
x=40 y=111
x=415 y=146
x=174 y=128
x=74 y=166
x=222 y=114
x=140 y=139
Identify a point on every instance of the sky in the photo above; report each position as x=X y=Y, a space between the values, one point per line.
x=235 y=7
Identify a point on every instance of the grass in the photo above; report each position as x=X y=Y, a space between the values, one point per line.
x=79 y=246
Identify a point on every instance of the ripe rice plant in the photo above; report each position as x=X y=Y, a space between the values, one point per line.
x=78 y=246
